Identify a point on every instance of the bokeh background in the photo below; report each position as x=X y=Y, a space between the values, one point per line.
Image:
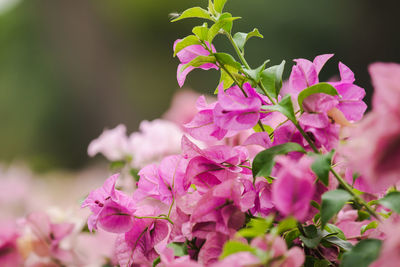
x=70 y=68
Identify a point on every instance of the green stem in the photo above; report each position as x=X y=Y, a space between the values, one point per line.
x=305 y=135
x=356 y=197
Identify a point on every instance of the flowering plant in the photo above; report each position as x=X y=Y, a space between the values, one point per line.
x=266 y=173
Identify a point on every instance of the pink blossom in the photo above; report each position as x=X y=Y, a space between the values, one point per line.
x=113 y=144
x=188 y=54
x=168 y=259
x=293 y=189
x=213 y=165
x=235 y=110
x=202 y=127
x=143 y=243
x=155 y=140
x=111 y=209
x=9 y=254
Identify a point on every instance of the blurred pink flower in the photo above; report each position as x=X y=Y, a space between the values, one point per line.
x=155 y=140
x=112 y=143
x=9 y=254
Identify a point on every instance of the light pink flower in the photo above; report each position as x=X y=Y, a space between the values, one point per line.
x=9 y=254
x=113 y=144
x=155 y=140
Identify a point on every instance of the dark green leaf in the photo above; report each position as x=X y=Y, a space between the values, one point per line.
x=331 y=228
x=240 y=38
x=198 y=61
x=322 y=165
x=363 y=215
x=201 y=32
x=335 y=240
x=362 y=254
x=194 y=12
x=271 y=78
x=185 y=42
x=332 y=203
x=227 y=59
x=313 y=236
x=255 y=74
x=371 y=225
x=324 y=88
x=232 y=247
x=291 y=236
x=391 y=201
x=224 y=22
x=180 y=249
x=285 y=106
x=264 y=161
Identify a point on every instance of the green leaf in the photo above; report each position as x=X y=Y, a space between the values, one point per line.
x=225 y=78
x=219 y=5
x=224 y=22
x=363 y=253
x=335 y=240
x=117 y=165
x=227 y=59
x=333 y=229
x=211 y=8
x=324 y=88
x=201 y=32
x=371 y=225
x=255 y=74
x=232 y=247
x=391 y=201
x=314 y=262
x=264 y=161
x=194 y=12
x=240 y=38
x=185 y=42
x=271 y=78
x=287 y=224
x=321 y=166
x=156 y=261
x=256 y=227
x=363 y=215
x=180 y=249
x=290 y=236
x=200 y=60
x=135 y=174
x=285 y=106
x=313 y=236
x=332 y=203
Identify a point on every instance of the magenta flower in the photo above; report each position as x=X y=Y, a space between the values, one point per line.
x=213 y=165
x=293 y=189
x=188 y=54
x=163 y=181
x=235 y=110
x=111 y=209
x=9 y=254
x=143 y=243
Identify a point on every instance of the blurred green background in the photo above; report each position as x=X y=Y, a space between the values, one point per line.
x=70 y=68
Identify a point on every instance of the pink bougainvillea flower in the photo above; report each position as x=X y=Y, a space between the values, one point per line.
x=202 y=127
x=9 y=254
x=48 y=235
x=235 y=110
x=168 y=259
x=212 y=165
x=293 y=189
x=305 y=73
x=113 y=144
x=165 y=134
x=111 y=209
x=163 y=181
x=143 y=243
x=373 y=149
x=188 y=54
